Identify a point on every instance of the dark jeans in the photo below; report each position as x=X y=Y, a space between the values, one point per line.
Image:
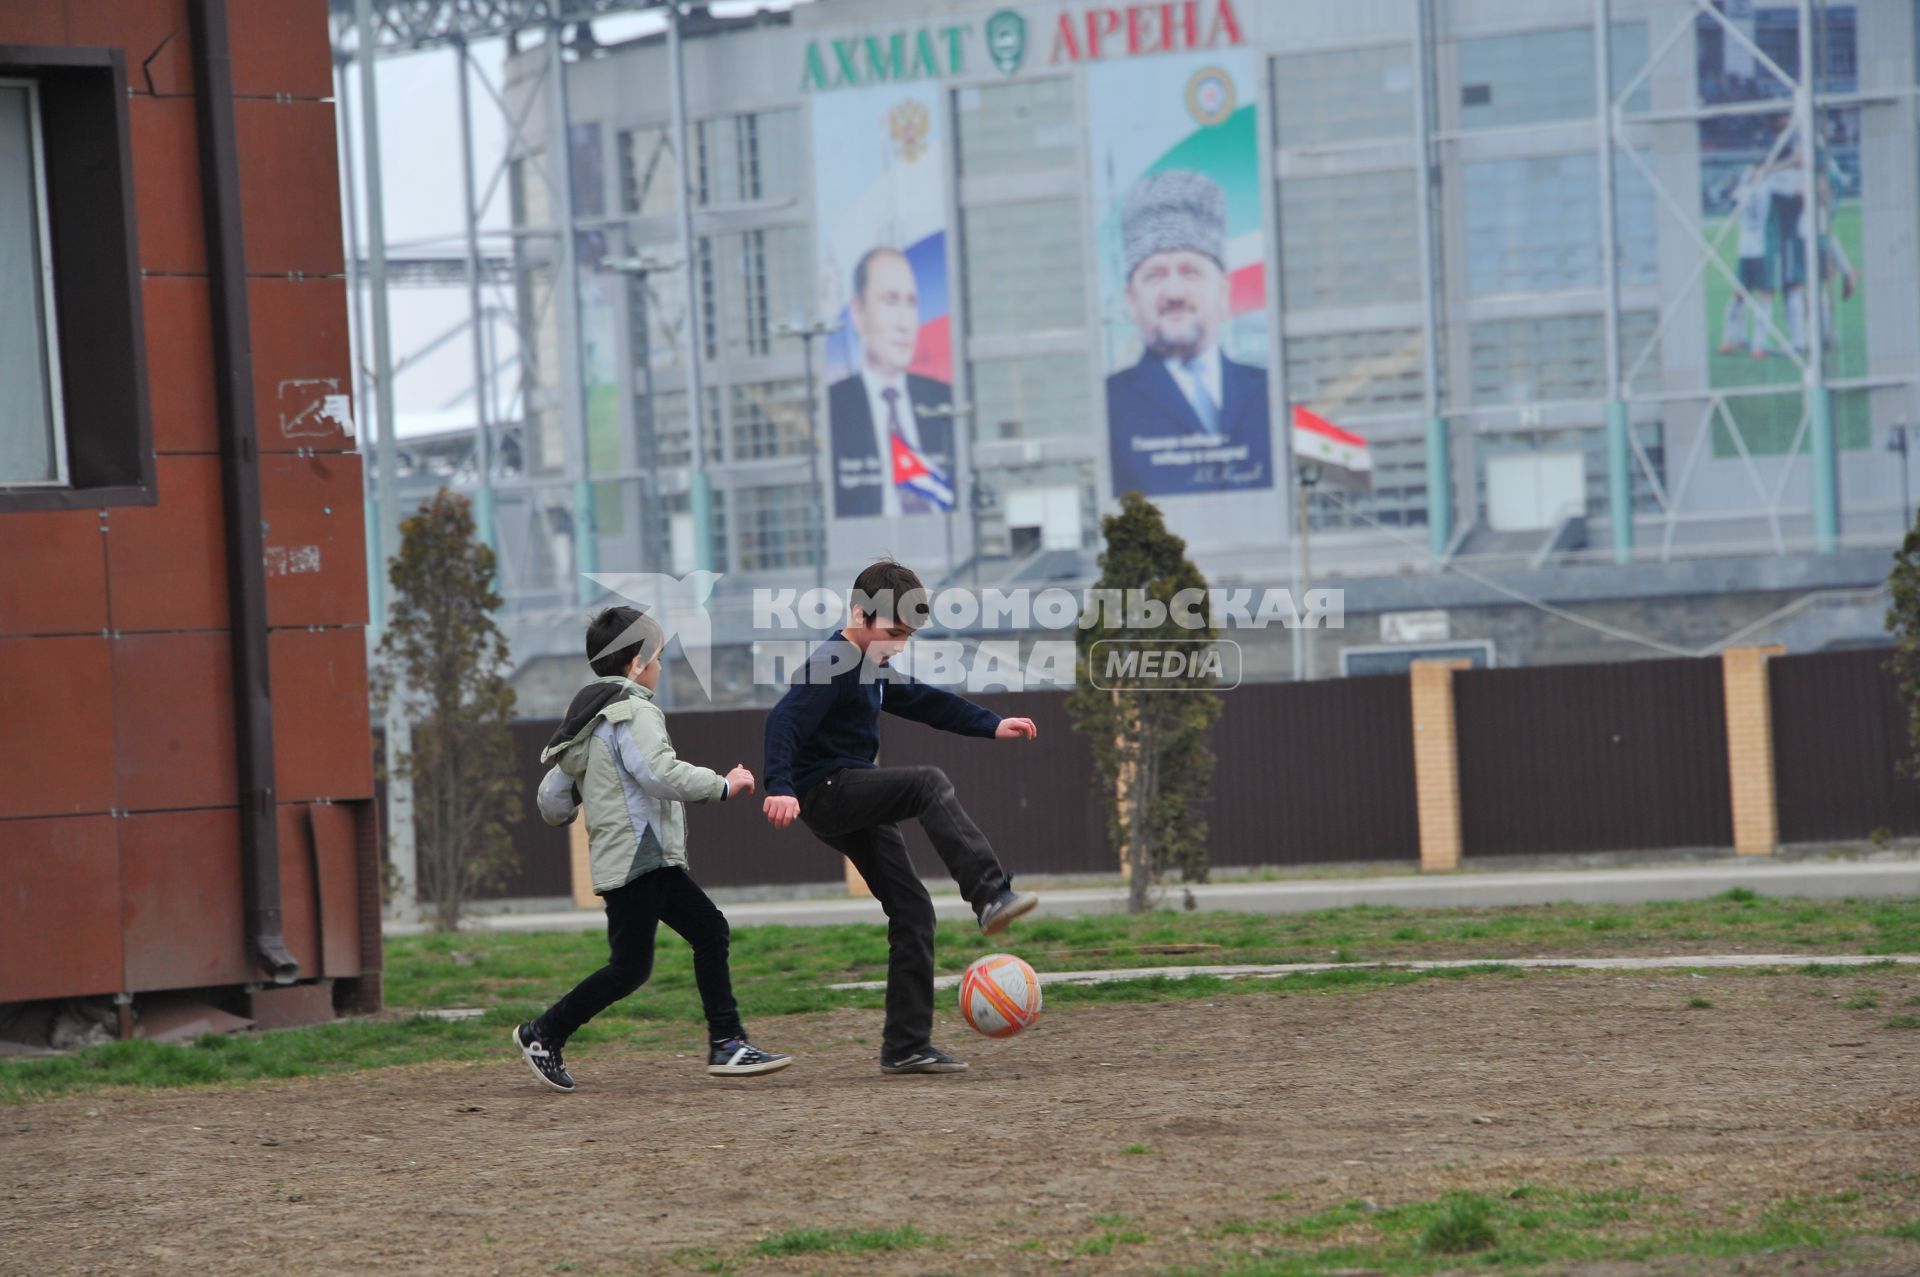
x=634 y=912
x=856 y=812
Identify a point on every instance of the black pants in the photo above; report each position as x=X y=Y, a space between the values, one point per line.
x=634 y=912
x=856 y=812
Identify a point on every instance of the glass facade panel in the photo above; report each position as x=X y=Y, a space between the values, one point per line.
x=1023 y=264
x=1370 y=372
x=1345 y=95
x=744 y=159
x=1349 y=240
x=1397 y=499
x=769 y=419
x=1028 y=126
x=1533 y=224
x=1031 y=398
x=30 y=442
x=673 y=446
x=649 y=178
x=1535 y=77
x=774 y=526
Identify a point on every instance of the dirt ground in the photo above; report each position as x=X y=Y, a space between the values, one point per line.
x=1395 y=1094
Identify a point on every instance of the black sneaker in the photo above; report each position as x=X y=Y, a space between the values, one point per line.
x=1005 y=907
x=737 y=1057
x=928 y=1059
x=543 y=1060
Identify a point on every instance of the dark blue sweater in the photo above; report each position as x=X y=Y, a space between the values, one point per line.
x=830 y=718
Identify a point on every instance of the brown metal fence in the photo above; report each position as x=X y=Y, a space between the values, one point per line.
x=1572 y=758
x=1314 y=772
x=1838 y=736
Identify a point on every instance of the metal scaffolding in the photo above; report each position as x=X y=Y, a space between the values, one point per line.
x=496 y=270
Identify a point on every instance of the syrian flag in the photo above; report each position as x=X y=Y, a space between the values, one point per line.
x=1317 y=439
x=911 y=471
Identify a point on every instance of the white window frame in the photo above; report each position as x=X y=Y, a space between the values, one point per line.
x=38 y=158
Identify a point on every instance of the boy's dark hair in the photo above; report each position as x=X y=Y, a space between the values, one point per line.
x=636 y=633
x=887 y=590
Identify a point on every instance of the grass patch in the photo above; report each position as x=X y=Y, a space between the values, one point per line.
x=1904 y=1022
x=1863 y=1002
x=512 y=975
x=1138 y=1150
x=1532 y=1227
x=1699 y=1003
x=1464 y=1225
x=841 y=1241
x=1105 y=1242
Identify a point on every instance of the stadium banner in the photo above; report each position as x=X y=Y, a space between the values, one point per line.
x=1182 y=272
x=880 y=210
x=1753 y=205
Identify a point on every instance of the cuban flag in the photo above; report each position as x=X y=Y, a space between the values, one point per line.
x=911 y=471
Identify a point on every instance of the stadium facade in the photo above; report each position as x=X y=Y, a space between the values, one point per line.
x=1579 y=449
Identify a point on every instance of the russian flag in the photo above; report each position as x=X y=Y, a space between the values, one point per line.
x=910 y=470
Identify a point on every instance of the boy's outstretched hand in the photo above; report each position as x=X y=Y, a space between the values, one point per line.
x=780 y=809
x=1015 y=729
x=739 y=780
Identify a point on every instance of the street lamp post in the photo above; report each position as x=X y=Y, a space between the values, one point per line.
x=956 y=412
x=1897 y=442
x=1309 y=473
x=637 y=268
x=806 y=332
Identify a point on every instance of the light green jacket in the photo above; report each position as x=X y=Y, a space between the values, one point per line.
x=633 y=787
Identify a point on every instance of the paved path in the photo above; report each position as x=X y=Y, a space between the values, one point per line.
x=1819 y=880
x=1688 y=962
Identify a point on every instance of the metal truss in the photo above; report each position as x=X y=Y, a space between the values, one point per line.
x=404 y=26
x=442 y=272
x=1795 y=91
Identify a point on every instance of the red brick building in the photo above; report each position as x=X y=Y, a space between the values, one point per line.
x=185 y=776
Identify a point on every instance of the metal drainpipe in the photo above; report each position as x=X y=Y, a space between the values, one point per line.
x=239 y=488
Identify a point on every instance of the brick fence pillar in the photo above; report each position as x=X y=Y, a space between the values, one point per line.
x=1436 y=764
x=1756 y=823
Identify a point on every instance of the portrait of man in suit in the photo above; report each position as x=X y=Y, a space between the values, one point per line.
x=883 y=399
x=1185 y=418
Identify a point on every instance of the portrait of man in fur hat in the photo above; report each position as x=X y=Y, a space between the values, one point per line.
x=1185 y=418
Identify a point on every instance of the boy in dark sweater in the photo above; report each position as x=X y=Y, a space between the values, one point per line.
x=823 y=743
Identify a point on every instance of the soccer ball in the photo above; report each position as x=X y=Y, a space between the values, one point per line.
x=1000 y=995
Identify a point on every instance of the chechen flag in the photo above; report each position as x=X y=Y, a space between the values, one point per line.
x=911 y=471
x=1317 y=439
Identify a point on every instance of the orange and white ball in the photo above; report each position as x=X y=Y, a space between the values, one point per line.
x=1000 y=995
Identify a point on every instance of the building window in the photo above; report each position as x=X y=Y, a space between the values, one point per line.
x=1350 y=239
x=1347 y=95
x=1557 y=357
x=1397 y=498
x=769 y=419
x=1367 y=373
x=750 y=282
x=1023 y=265
x=746 y=159
x=775 y=526
x=673 y=531
x=1031 y=398
x=74 y=426
x=33 y=445
x=672 y=445
x=1533 y=224
x=649 y=178
x=1029 y=126
x=1539 y=76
